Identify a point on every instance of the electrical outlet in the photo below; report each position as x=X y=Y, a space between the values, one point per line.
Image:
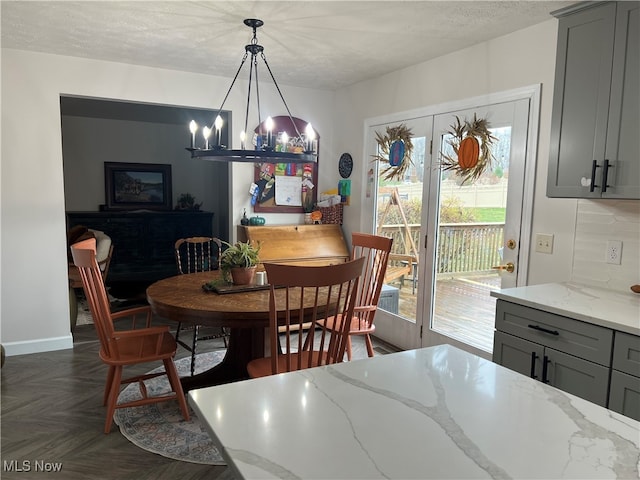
x=544 y=243
x=614 y=252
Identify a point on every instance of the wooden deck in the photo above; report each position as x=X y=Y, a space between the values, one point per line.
x=464 y=309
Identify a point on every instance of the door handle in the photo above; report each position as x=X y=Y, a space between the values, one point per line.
x=545 y=369
x=605 y=175
x=533 y=365
x=509 y=267
x=542 y=329
x=593 y=185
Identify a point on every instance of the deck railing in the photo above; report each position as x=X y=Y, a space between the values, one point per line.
x=462 y=247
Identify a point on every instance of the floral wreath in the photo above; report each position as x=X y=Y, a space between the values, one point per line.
x=387 y=143
x=471 y=144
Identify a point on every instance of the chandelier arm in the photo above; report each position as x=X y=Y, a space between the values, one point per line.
x=244 y=58
x=264 y=59
x=246 y=114
x=255 y=65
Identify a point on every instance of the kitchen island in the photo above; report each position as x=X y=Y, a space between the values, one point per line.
x=436 y=412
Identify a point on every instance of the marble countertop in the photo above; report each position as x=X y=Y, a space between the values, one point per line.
x=436 y=412
x=608 y=308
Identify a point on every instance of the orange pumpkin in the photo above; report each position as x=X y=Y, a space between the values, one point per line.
x=468 y=152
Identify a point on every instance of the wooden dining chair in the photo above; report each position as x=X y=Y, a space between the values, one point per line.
x=121 y=348
x=198 y=254
x=299 y=295
x=375 y=250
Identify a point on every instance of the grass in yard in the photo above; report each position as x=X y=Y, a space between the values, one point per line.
x=488 y=214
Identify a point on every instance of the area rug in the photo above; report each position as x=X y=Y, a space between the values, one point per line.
x=160 y=428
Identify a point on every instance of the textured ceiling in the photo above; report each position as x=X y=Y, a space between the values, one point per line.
x=319 y=44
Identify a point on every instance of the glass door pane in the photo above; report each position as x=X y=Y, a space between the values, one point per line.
x=474 y=228
x=399 y=210
x=469 y=244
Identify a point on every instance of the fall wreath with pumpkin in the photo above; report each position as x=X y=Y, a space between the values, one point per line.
x=395 y=149
x=471 y=145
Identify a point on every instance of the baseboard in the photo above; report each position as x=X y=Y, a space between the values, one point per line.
x=38 y=346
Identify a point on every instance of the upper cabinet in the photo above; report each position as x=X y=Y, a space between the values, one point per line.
x=595 y=128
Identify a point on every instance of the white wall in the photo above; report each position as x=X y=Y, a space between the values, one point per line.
x=521 y=59
x=34 y=312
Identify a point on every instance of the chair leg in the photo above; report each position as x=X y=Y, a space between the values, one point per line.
x=114 y=390
x=108 y=384
x=349 y=347
x=176 y=386
x=193 y=349
x=224 y=337
x=367 y=339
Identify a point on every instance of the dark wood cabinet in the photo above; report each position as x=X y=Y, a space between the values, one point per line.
x=143 y=241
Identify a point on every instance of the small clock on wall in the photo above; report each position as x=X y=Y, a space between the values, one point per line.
x=345 y=165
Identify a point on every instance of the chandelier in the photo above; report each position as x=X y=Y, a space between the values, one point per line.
x=264 y=146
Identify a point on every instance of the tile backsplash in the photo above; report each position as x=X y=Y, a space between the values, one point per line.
x=599 y=221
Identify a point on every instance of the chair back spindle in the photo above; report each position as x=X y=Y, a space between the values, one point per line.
x=197 y=254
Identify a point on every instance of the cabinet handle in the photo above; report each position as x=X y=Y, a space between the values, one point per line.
x=593 y=185
x=605 y=175
x=533 y=365
x=545 y=369
x=545 y=330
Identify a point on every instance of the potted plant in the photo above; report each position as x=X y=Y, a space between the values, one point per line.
x=186 y=201
x=239 y=262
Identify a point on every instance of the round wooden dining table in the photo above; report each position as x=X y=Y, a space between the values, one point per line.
x=244 y=313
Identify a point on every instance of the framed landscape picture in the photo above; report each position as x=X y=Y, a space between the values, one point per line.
x=137 y=186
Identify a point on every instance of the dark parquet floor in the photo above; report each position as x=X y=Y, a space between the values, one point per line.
x=51 y=412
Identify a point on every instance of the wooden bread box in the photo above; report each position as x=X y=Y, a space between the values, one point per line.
x=307 y=245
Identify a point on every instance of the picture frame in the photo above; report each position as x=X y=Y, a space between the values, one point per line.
x=264 y=172
x=137 y=186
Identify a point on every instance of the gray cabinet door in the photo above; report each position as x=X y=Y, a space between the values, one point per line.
x=626 y=353
x=571 y=374
x=580 y=100
x=583 y=379
x=623 y=144
x=594 y=149
x=625 y=394
x=519 y=355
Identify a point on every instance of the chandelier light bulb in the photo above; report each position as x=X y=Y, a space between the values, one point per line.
x=206 y=132
x=311 y=136
x=268 y=123
x=193 y=128
x=243 y=137
x=218 y=124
